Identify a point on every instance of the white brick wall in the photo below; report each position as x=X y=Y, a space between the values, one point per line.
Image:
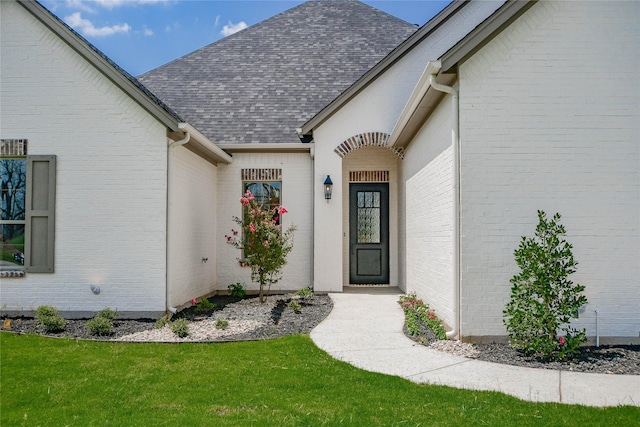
x=375 y=109
x=111 y=175
x=428 y=213
x=296 y=197
x=550 y=112
x=194 y=234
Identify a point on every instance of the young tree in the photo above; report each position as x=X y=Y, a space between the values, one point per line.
x=543 y=298
x=264 y=243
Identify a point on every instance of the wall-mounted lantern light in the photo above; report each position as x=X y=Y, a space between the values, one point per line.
x=328 y=186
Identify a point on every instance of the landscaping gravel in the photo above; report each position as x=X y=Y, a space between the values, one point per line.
x=248 y=319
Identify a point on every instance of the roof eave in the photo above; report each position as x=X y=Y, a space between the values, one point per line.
x=112 y=73
x=275 y=147
x=423 y=100
x=204 y=147
x=483 y=33
x=373 y=73
x=420 y=105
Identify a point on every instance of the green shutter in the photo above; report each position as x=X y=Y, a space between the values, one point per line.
x=40 y=214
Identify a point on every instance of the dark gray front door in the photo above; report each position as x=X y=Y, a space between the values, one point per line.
x=369 y=233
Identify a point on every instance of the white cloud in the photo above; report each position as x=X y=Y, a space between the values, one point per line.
x=87 y=28
x=169 y=28
x=147 y=31
x=79 y=4
x=231 y=28
x=215 y=24
x=108 y=4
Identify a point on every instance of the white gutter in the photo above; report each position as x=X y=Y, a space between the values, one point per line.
x=204 y=145
x=268 y=147
x=434 y=68
x=187 y=138
x=178 y=143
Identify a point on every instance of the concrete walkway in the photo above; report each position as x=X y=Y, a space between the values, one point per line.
x=364 y=329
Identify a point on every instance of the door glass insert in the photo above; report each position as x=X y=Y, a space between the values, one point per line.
x=368 y=217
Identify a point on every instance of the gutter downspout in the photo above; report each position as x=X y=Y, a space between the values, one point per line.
x=455 y=143
x=178 y=143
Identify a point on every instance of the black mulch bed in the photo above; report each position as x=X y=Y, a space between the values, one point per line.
x=605 y=359
x=283 y=320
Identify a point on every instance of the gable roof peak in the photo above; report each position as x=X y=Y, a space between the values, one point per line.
x=261 y=83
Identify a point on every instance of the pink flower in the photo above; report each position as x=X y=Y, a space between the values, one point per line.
x=266 y=243
x=194 y=301
x=228 y=238
x=252 y=227
x=561 y=339
x=235 y=232
x=431 y=315
x=244 y=200
x=282 y=210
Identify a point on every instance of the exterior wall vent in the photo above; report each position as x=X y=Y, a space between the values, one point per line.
x=264 y=174
x=369 y=176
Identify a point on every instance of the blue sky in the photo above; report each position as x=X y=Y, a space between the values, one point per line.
x=140 y=35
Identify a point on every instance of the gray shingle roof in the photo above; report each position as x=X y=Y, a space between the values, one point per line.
x=259 y=84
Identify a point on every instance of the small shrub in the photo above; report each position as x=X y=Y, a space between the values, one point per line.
x=46 y=311
x=305 y=293
x=222 y=324
x=295 y=306
x=99 y=325
x=204 y=306
x=180 y=327
x=163 y=321
x=107 y=313
x=237 y=290
x=50 y=318
x=543 y=299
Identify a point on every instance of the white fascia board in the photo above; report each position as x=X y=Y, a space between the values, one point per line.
x=203 y=146
x=415 y=99
x=268 y=147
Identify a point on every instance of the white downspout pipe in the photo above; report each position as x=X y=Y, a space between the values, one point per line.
x=174 y=144
x=455 y=143
x=597 y=328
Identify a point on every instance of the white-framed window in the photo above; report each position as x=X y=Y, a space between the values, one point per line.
x=27 y=202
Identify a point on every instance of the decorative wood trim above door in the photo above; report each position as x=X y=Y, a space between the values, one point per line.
x=369 y=176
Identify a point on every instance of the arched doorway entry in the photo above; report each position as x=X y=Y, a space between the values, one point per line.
x=369 y=174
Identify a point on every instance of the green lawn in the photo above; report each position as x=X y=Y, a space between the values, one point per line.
x=288 y=381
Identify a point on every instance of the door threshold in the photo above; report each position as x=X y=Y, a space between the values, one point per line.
x=368 y=285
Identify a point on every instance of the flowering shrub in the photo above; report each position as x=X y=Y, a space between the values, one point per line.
x=264 y=243
x=543 y=299
x=416 y=312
